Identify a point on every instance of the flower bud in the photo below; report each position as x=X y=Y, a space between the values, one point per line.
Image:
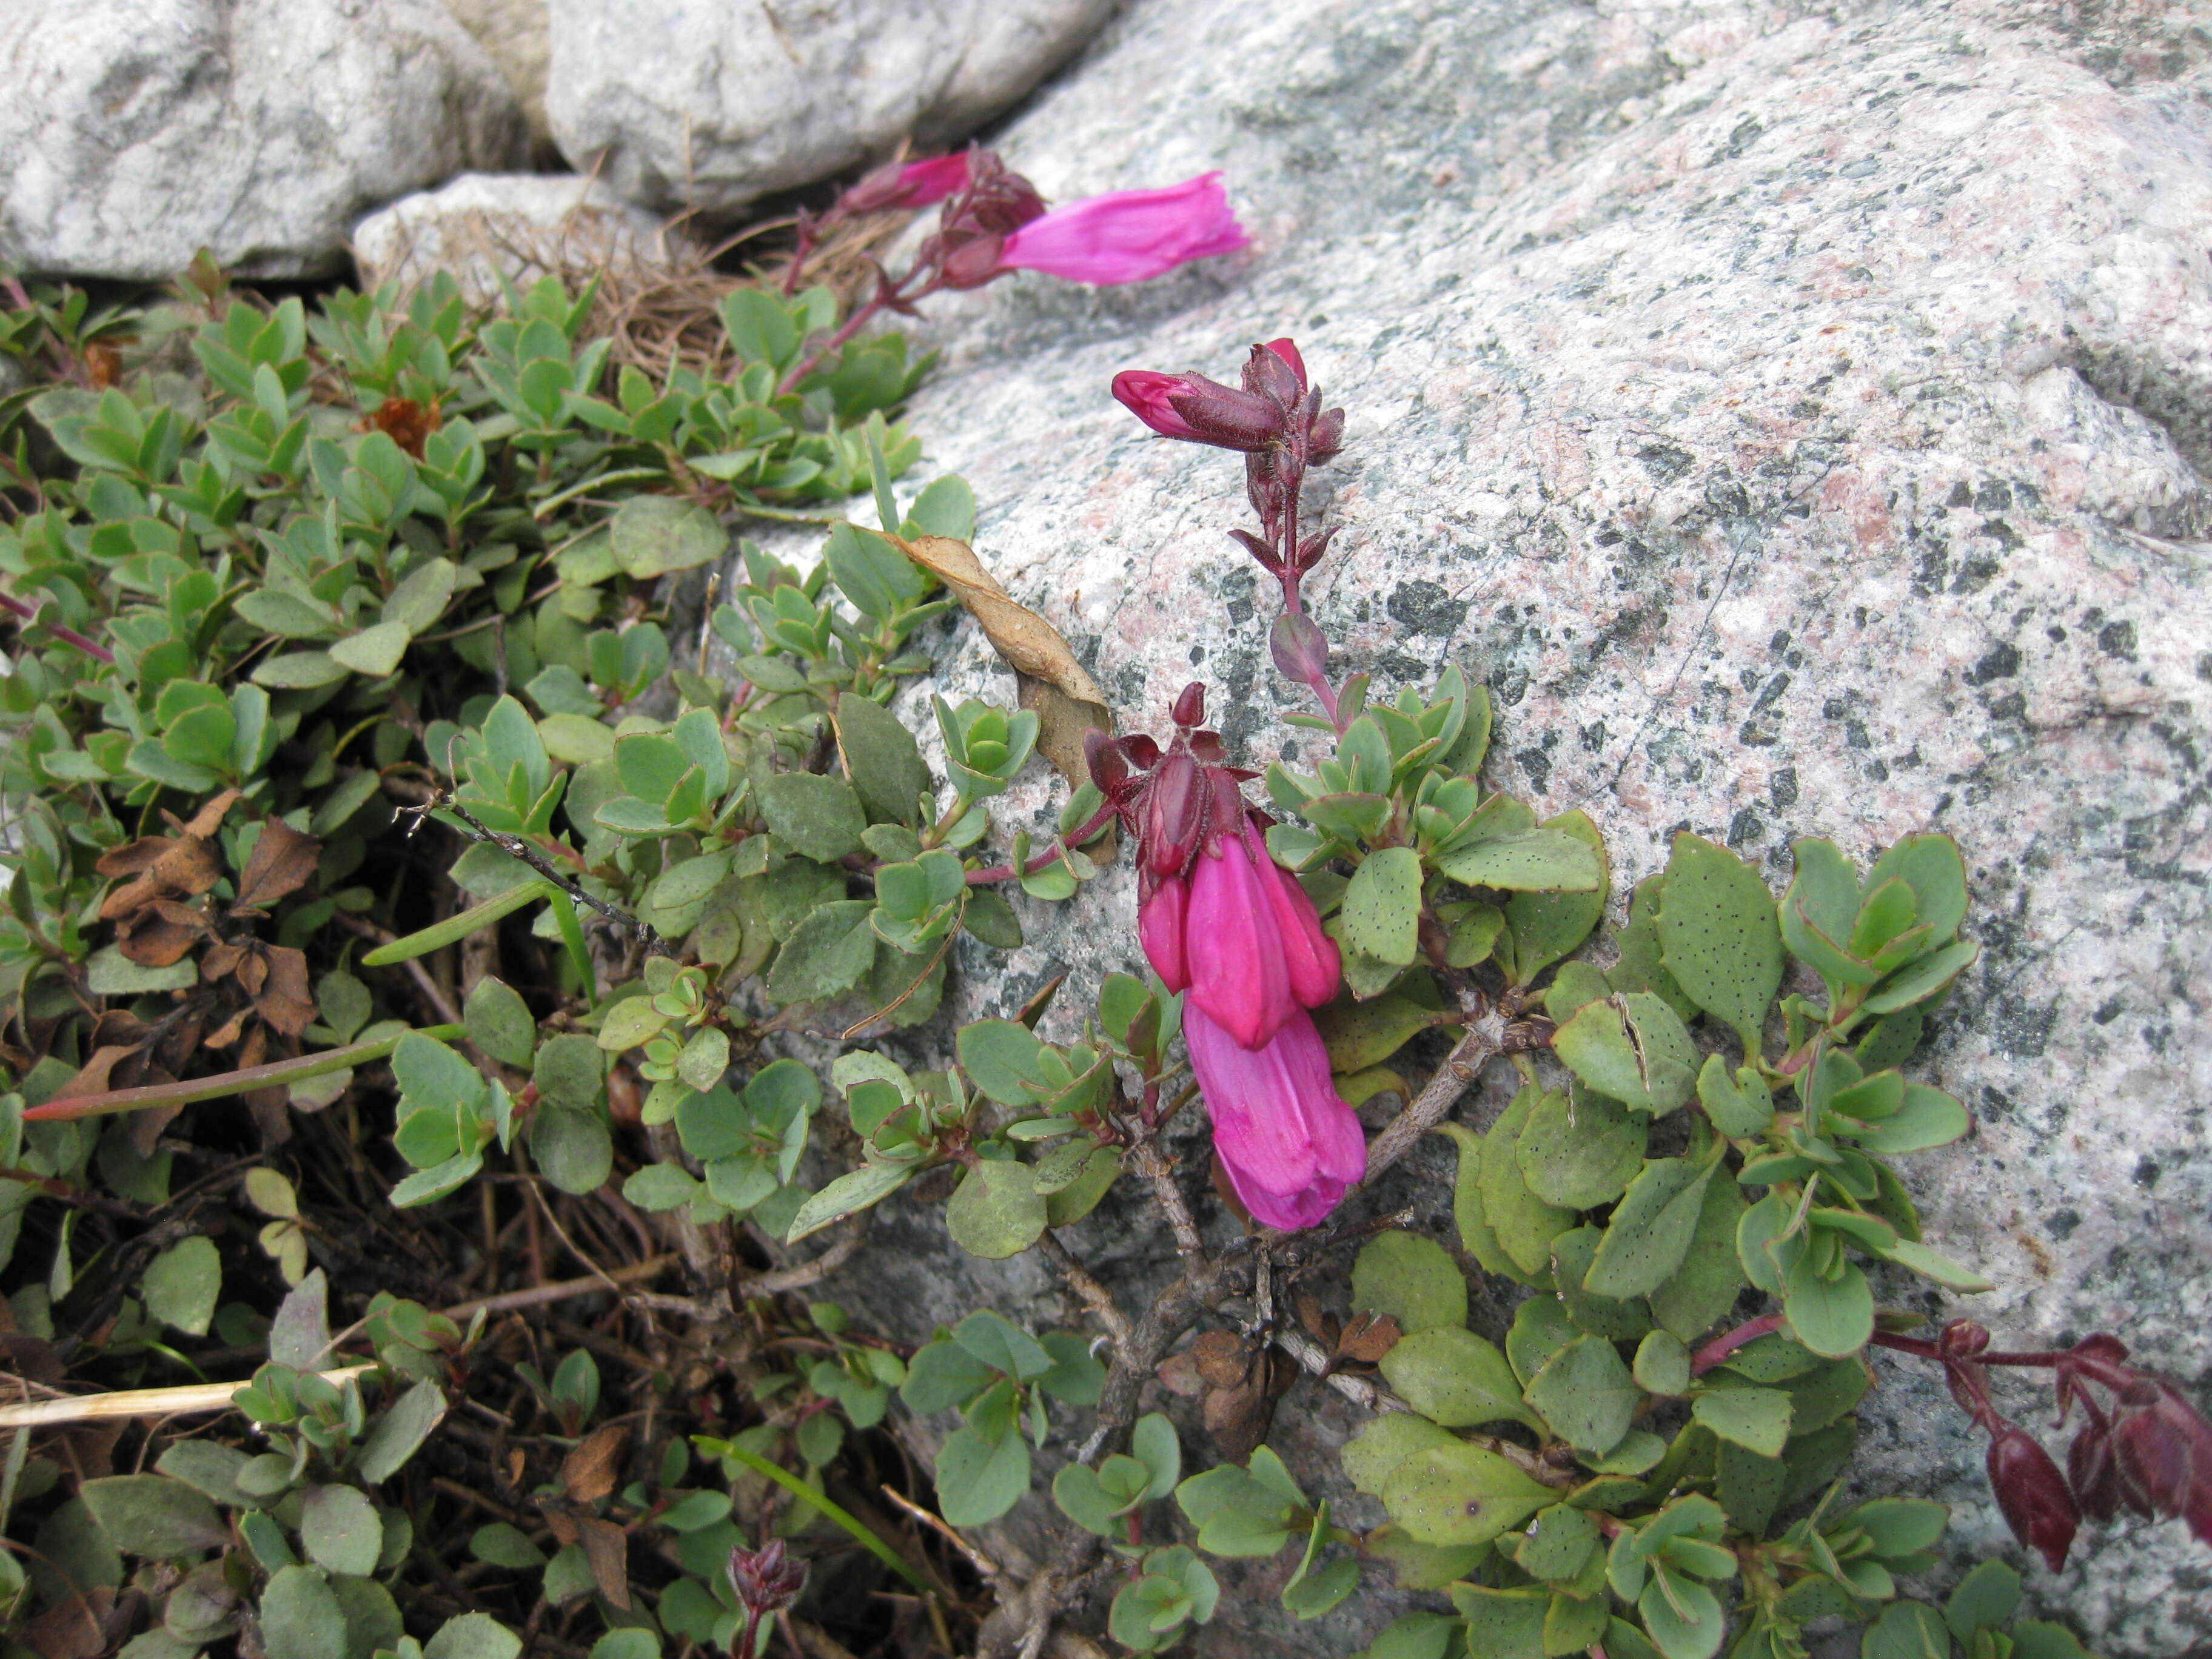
x=2038 y=1504
x=1299 y=648
x=766 y=1582
x=1189 y=708
x=2163 y=1452
x=1175 y=814
x=1199 y=410
x=907 y=185
x=2095 y=1474
x=1962 y=1338
x=1276 y=371
x=972 y=263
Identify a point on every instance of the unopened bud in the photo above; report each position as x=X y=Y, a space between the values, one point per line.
x=1962 y=1338
x=2038 y=1504
x=1177 y=817
x=766 y=1581
x=973 y=263
x=1189 y=708
x=1299 y=648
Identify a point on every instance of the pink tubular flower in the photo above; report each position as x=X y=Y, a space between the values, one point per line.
x=1128 y=235
x=907 y=184
x=1289 y=1143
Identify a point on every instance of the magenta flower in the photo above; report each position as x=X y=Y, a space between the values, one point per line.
x=1289 y=1143
x=1219 y=918
x=1128 y=235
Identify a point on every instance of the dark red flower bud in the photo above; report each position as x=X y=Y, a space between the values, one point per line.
x=1962 y=1338
x=2038 y=1504
x=2163 y=1450
x=1325 y=439
x=998 y=202
x=1110 y=769
x=1189 y=708
x=972 y=263
x=1275 y=371
x=1175 y=821
x=766 y=1582
x=1199 y=410
x=2094 y=1475
x=1299 y=648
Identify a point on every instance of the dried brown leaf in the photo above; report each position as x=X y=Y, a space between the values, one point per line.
x=587 y=1473
x=1179 y=1376
x=283 y=861
x=1318 y=1325
x=161 y=933
x=1368 y=1338
x=606 y=1547
x=1068 y=700
x=93 y=1077
x=1221 y=1358
x=284 y=999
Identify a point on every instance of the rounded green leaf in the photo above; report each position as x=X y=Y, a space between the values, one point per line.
x=340 y=1529
x=1718 y=935
x=1461 y=1494
x=1453 y=1377
x=997 y=1211
x=979 y=1480
x=1580 y=1152
x=1412 y=1278
x=181 y=1286
x=1382 y=908
x=300 y=1618
x=1586 y=1395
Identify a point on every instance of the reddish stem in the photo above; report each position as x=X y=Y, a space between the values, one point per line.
x=1031 y=866
x=66 y=635
x=1717 y=1352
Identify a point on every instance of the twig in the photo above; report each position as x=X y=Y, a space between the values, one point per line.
x=1489 y=1035
x=1096 y=1296
x=67 y=635
x=1158 y=1172
x=279 y=1072
x=539 y=1295
x=983 y=1563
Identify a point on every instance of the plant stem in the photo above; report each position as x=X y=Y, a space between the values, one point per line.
x=1076 y=837
x=1714 y=1352
x=275 y=1073
x=66 y=635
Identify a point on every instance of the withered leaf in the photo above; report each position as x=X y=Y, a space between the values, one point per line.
x=1320 y=1326
x=73 y=1629
x=1367 y=1338
x=283 y=861
x=1239 y=1417
x=587 y=1473
x=1221 y=1358
x=1068 y=700
x=163 y=865
x=93 y=1077
x=252 y=970
x=161 y=933
x=283 y=998
x=606 y=1547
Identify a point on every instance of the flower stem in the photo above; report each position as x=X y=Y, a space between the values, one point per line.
x=1008 y=872
x=1717 y=1350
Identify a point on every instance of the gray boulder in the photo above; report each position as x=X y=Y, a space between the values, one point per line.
x=136 y=135
x=691 y=103
x=485 y=226
x=518 y=36
x=1798 y=422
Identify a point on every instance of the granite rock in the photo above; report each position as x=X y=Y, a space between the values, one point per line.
x=518 y=37
x=484 y=226
x=693 y=104
x=136 y=135
x=1796 y=419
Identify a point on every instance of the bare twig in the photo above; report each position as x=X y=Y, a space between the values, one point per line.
x=539 y=1295
x=139 y=1402
x=1489 y=1035
x=1158 y=1172
x=1096 y=1296
x=459 y=818
x=992 y=1571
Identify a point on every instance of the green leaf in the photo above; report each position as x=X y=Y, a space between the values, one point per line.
x=1663 y=1365
x=398 y=1434
x=1455 y=1378
x=152 y=1515
x=1523 y=1224
x=375 y=652
x=1984 y=1599
x=1502 y=1624
x=881 y=760
x=500 y=1545
x=458 y=927
x=300 y=1618
x=653 y=534
x=1652 y=1228
x=997 y=1211
x=1382 y=908
x=1002 y=1057
x=499 y=1023
x=978 y=1480
x=181 y=1285
x=1412 y=1278
x=1586 y=1395
x=340 y=1531
x=1757 y=1420
x=1821 y=910
x=1359 y=1034
x=817 y=817
x=855 y=1190
x=1719 y=937
x=298 y=671
x=1831 y=1316
x=1370 y=1456
x=569 y=1070
x=1928 y=1118
x=1460 y=1494
x=1633 y=1048
x=109 y=973
x=472 y=1636
x=1154 y=1443
x=1740 y=1107
x=572 y=1147
x=1578 y=1153
x=827 y=954
x=1705 y=1286
x=1688 y=1626
x=1906 y=1630
x=1546 y=926
x=1621 y=1318
x=422 y=596
x=1532 y=860
x=209 y=1466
